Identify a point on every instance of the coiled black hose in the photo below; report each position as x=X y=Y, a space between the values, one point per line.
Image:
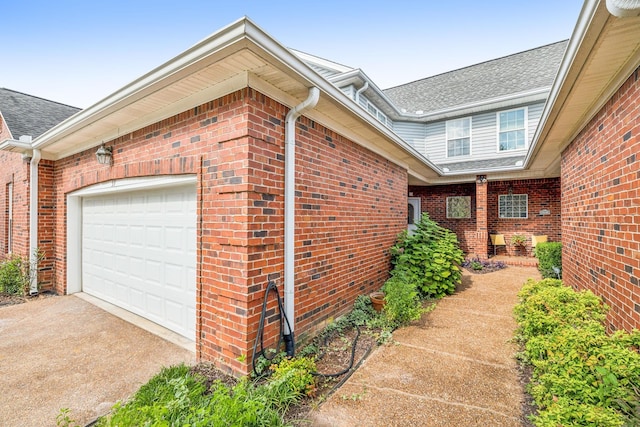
x=271 y=287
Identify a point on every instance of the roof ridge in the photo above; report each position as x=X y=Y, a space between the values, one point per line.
x=475 y=65
x=41 y=98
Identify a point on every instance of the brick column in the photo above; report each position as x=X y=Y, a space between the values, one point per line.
x=480 y=246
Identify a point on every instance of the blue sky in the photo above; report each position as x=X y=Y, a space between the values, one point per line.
x=78 y=52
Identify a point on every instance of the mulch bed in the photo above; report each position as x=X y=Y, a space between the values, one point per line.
x=6 y=300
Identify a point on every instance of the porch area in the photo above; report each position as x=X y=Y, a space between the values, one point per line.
x=516 y=261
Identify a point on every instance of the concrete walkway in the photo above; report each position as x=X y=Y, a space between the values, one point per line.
x=63 y=352
x=455 y=367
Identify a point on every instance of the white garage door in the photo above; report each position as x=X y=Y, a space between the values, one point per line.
x=139 y=253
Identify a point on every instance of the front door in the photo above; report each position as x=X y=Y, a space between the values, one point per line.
x=413 y=213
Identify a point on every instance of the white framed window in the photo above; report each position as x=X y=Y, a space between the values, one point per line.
x=459 y=207
x=459 y=137
x=513 y=206
x=374 y=111
x=512 y=129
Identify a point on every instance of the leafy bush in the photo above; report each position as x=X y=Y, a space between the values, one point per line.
x=402 y=299
x=581 y=376
x=16 y=273
x=550 y=305
x=14 y=276
x=430 y=258
x=549 y=255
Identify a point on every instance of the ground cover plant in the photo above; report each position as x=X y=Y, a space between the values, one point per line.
x=581 y=375
x=477 y=265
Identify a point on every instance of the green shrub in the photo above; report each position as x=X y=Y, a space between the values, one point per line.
x=430 y=258
x=581 y=376
x=14 y=276
x=548 y=307
x=549 y=255
x=402 y=298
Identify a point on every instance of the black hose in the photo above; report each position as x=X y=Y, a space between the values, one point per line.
x=353 y=355
x=271 y=287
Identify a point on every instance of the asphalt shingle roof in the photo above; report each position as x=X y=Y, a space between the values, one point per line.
x=30 y=115
x=476 y=165
x=520 y=72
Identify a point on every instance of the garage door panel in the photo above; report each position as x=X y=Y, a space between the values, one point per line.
x=139 y=252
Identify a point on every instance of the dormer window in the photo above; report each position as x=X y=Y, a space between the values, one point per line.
x=459 y=137
x=512 y=130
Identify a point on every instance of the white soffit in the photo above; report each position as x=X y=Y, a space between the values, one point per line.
x=606 y=56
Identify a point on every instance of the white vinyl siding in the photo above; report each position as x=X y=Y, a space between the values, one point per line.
x=459 y=137
x=414 y=133
x=512 y=130
x=484 y=132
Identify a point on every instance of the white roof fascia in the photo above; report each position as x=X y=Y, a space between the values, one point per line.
x=325 y=63
x=16 y=146
x=128 y=93
x=584 y=20
x=539 y=94
x=484 y=105
x=358 y=73
x=241 y=29
x=289 y=59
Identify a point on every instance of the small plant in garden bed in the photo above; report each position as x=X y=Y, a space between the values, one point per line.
x=480 y=266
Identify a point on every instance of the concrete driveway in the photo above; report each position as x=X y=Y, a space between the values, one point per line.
x=64 y=352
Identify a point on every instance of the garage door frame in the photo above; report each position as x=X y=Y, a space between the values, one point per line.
x=74 y=215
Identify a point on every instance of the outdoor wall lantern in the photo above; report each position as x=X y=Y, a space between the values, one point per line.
x=104 y=155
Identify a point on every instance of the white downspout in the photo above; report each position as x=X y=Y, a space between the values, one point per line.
x=624 y=8
x=33 y=221
x=364 y=87
x=290 y=213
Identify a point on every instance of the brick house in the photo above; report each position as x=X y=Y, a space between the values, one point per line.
x=241 y=162
x=590 y=130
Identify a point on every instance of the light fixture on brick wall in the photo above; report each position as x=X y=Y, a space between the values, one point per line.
x=104 y=155
x=481 y=179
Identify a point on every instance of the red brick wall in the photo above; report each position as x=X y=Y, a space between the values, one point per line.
x=14 y=170
x=351 y=206
x=433 y=200
x=542 y=194
x=601 y=206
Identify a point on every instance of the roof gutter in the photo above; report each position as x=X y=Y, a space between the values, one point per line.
x=624 y=8
x=290 y=214
x=586 y=16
